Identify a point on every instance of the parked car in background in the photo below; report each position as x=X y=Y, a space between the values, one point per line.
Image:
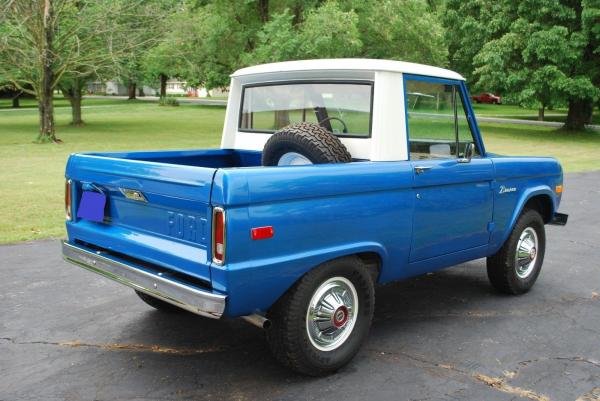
x=487 y=97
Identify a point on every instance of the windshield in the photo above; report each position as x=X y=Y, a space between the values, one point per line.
x=342 y=108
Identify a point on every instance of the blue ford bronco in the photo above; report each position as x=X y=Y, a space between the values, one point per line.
x=332 y=176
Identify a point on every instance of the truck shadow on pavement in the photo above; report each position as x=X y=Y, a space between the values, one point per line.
x=430 y=332
x=234 y=347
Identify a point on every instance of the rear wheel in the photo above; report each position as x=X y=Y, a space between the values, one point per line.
x=158 y=304
x=320 y=324
x=515 y=268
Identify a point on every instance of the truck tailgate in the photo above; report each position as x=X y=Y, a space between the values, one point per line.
x=155 y=212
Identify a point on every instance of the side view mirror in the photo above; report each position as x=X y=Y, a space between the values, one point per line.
x=469 y=148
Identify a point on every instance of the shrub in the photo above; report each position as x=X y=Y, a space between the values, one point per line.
x=168 y=101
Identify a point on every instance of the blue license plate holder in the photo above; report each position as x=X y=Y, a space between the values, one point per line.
x=92 y=206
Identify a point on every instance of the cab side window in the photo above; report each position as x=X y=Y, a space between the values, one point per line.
x=437 y=122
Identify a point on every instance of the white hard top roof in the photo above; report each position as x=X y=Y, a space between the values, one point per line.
x=356 y=64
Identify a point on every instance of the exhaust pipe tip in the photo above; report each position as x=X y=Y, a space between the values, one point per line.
x=258 y=321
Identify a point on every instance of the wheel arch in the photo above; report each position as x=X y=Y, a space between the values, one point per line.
x=543 y=204
x=539 y=198
x=251 y=300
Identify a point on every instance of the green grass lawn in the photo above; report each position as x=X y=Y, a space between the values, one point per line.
x=32 y=175
x=521 y=113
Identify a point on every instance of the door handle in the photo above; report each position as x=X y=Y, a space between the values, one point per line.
x=422 y=169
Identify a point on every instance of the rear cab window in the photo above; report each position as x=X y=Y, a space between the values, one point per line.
x=344 y=108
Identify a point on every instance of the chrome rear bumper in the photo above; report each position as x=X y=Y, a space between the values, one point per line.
x=196 y=300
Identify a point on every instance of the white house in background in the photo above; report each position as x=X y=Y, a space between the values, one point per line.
x=115 y=88
x=174 y=87
x=202 y=92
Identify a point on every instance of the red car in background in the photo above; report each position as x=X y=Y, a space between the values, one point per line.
x=487 y=98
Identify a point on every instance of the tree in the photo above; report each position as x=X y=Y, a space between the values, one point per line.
x=541 y=52
x=402 y=30
x=207 y=40
x=44 y=43
x=391 y=29
x=96 y=49
x=468 y=26
x=141 y=25
x=166 y=58
x=28 y=36
x=10 y=91
x=278 y=40
x=330 y=32
x=325 y=32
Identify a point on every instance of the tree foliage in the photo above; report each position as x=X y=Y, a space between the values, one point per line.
x=214 y=38
x=402 y=30
x=51 y=44
x=141 y=26
x=539 y=52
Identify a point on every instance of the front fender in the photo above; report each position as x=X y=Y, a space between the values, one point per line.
x=524 y=197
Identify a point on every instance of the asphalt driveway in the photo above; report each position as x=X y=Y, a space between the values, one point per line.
x=67 y=334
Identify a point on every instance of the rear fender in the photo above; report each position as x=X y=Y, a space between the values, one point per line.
x=278 y=275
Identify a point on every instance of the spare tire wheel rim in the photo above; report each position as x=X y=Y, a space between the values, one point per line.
x=293 y=159
x=527 y=253
x=332 y=313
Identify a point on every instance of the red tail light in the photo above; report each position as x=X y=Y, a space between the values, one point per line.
x=68 y=200
x=218 y=237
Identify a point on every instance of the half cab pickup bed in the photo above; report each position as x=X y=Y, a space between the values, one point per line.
x=332 y=176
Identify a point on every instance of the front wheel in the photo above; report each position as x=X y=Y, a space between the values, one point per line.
x=515 y=268
x=320 y=323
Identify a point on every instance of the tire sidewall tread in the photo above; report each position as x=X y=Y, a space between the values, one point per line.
x=501 y=266
x=287 y=336
x=309 y=139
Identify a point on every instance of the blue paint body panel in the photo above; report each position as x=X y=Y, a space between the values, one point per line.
x=413 y=223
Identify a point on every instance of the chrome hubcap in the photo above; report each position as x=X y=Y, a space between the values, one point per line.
x=527 y=252
x=293 y=159
x=332 y=313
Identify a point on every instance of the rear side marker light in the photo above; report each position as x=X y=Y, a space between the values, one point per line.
x=68 y=215
x=262 y=232
x=218 y=235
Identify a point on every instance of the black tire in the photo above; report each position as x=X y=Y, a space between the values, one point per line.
x=288 y=335
x=158 y=304
x=308 y=139
x=502 y=267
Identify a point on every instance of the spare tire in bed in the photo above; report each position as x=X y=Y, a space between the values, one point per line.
x=304 y=143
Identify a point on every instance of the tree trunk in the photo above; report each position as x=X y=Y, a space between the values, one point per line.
x=163 y=85
x=131 y=90
x=579 y=114
x=541 y=113
x=263 y=10
x=74 y=95
x=297 y=11
x=46 y=109
x=141 y=92
x=282 y=118
x=76 y=110
x=15 y=102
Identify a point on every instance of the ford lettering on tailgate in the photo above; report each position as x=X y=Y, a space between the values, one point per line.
x=186 y=227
